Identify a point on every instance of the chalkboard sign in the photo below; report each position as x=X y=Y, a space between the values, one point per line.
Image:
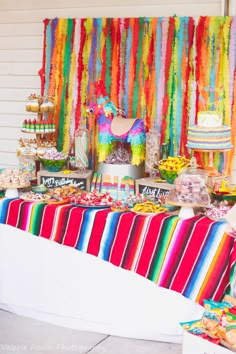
x=155 y=192
x=53 y=182
x=59 y=179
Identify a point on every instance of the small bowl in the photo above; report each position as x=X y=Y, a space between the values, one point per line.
x=53 y=165
x=39 y=189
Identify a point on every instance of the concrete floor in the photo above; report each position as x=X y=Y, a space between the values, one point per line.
x=23 y=335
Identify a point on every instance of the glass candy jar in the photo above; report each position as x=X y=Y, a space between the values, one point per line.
x=81 y=148
x=152 y=151
x=27 y=165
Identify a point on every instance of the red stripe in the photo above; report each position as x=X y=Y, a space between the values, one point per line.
x=133 y=242
x=63 y=211
x=180 y=241
x=73 y=226
x=97 y=231
x=47 y=221
x=122 y=235
x=149 y=245
x=219 y=280
x=190 y=253
x=13 y=212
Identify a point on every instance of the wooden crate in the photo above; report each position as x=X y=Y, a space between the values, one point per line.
x=149 y=187
x=59 y=179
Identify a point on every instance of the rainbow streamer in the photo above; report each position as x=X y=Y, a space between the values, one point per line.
x=161 y=70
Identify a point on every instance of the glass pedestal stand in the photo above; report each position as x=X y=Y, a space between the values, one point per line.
x=187 y=209
x=186 y=212
x=12 y=191
x=211 y=168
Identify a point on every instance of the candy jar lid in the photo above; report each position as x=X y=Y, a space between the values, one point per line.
x=193 y=170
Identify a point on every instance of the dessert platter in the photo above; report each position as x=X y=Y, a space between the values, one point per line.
x=92 y=200
x=35 y=197
x=11 y=180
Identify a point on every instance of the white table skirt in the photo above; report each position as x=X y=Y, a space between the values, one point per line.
x=58 y=284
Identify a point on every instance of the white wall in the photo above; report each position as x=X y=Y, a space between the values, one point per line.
x=21 y=43
x=232 y=7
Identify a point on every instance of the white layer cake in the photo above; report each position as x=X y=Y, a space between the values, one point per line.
x=209 y=119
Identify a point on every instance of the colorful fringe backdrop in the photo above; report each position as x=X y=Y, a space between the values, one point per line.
x=160 y=69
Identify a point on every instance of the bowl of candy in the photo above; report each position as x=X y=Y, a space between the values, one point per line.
x=119 y=206
x=171 y=167
x=53 y=161
x=39 y=188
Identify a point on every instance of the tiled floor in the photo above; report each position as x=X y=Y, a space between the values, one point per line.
x=22 y=335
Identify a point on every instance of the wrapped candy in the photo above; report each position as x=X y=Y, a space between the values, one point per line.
x=218 y=211
x=190 y=188
x=119 y=157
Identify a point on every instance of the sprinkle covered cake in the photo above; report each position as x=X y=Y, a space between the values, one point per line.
x=209 y=133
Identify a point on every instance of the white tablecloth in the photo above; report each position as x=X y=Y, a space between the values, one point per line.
x=58 y=284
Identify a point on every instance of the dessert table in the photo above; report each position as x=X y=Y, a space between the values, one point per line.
x=118 y=273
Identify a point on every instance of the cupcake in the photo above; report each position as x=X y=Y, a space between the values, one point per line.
x=50 y=107
x=44 y=107
x=28 y=106
x=34 y=106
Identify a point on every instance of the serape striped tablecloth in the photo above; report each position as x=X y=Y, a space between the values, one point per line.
x=195 y=256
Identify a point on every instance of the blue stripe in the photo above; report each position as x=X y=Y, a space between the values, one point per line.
x=109 y=235
x=4 y=204
x=211 y=238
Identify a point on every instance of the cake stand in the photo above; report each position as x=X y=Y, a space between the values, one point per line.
x=211 y=169
x=187 y=209
x=12 y=190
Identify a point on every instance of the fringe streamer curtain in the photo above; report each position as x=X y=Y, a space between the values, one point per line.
x=163 y=70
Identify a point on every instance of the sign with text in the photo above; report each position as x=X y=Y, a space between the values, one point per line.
x=150 y=187
x=59 y=179
x=156 y=192
x=53 y=182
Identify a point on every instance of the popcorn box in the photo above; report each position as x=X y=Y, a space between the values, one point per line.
x=59 y=179
x=151 y=187
x=196 y=345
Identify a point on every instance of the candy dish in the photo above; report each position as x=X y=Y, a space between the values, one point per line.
x=39 y=189
x=55 y=200
x=51 y=165
x=148 y=213
x=93 y=199
x=119 y=210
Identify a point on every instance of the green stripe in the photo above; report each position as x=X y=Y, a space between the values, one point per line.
x=36 y=218
x=166 y=235
x=65 y=79
x=108 y=56
x=136 y=98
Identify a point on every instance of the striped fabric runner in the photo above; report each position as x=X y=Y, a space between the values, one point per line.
x=194 y=256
